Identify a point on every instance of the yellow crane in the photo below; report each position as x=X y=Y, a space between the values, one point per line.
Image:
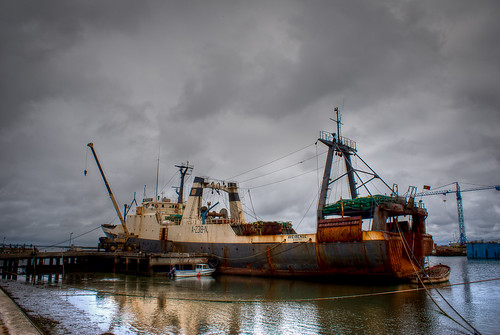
x=120 y=242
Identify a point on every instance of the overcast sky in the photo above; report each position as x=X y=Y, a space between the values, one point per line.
x=232 y=85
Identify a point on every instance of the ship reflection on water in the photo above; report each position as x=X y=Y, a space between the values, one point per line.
x=120 y=304
x=235 y=305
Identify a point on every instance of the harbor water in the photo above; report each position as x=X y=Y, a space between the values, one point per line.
x=126 y=304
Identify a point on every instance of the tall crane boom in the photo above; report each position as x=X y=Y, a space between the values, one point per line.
x=444 y=192
x=91 y=146
x=462 y=239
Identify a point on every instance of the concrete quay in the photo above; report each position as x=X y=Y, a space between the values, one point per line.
x=13 y=321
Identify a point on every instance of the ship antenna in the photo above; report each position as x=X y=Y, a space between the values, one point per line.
x=338 y=121
x=157 y=172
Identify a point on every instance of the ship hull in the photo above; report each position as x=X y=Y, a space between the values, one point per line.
x=148 y=245
x=379 y=258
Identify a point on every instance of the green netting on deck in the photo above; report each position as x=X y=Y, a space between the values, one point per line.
x=282 y=224
x=174 y=217
x=358 y=204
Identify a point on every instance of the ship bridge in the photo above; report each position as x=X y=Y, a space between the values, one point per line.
x=194 y=210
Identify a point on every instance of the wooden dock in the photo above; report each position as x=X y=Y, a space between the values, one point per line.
x=30 y=262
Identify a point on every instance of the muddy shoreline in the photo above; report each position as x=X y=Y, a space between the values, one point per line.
x=48 y=310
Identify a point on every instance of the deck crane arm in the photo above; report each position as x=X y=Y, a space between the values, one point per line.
x=91 y=146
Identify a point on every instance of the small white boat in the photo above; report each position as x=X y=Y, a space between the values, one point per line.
x=199 y=270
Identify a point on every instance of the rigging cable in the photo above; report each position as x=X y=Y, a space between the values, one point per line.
x=251 y=202
x=73 y=238
x=243 y=203
x=437 y=188
x=307 y=211
x=317 y=169
x=86 y=158
x=405 y=245
x=250 y=214
x=336 y=192
x=167 y=183
x=279 y=181
x=286 y=167
x=275 y=160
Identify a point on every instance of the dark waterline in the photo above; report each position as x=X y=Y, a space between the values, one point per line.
x=120 y=304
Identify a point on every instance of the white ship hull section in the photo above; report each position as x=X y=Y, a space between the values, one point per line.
x=223 y=233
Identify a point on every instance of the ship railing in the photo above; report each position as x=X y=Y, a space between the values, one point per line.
x=190 y=221
x=348 y=143
x=218 y=183
x=220 y=221
x=326 y=136
x=197 y=222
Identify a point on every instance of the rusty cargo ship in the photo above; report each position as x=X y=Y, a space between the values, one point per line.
x=394 y=247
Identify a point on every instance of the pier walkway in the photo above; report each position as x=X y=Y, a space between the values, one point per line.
x=39 y=263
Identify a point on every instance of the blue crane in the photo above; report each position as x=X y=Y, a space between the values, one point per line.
x=462 y=239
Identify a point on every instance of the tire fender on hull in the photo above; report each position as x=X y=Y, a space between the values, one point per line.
x=213 y=262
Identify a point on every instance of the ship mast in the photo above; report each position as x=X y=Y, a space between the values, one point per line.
x=183 y=169
x=342 y=147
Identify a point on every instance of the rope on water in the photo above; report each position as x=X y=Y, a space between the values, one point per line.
x=254 y=301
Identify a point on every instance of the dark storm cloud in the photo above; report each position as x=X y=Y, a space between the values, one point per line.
x=360 y=48
x=33 y=36
x=356 y=47
x=230 y=85
x=217 y=87
x=40 y=96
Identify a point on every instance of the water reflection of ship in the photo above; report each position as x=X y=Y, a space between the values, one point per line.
x=266 y=305
x=148 y=305
x=273 y=248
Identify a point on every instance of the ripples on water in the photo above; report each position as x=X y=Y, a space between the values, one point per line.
x=119 y=304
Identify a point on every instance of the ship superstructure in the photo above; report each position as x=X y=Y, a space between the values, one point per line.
x=146 y=228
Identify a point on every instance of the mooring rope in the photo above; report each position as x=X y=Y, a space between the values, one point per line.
x=417 y=273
